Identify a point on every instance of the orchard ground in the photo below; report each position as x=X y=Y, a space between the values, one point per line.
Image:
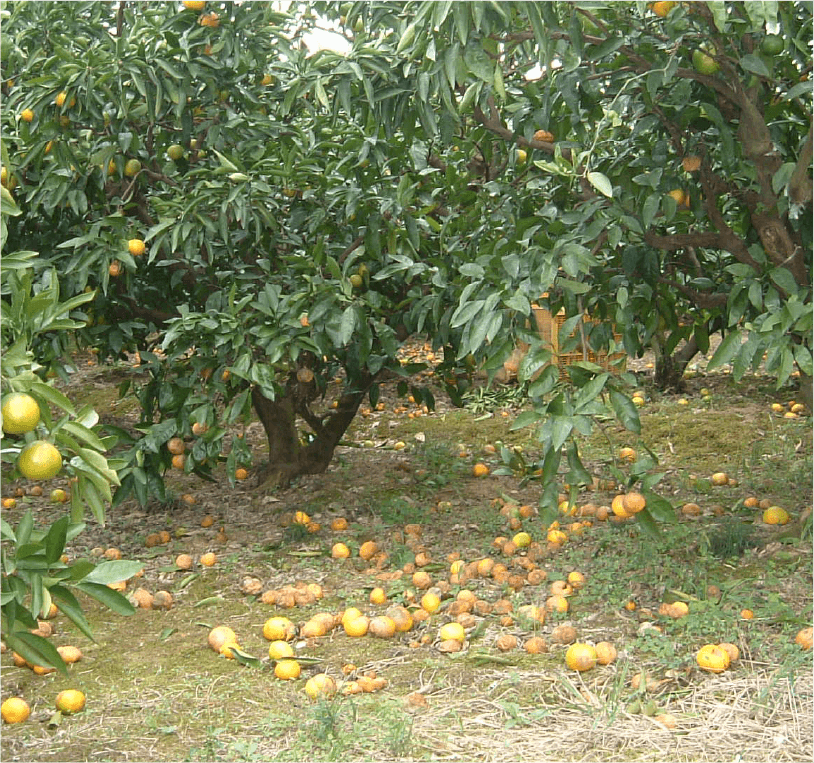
x=155 y=691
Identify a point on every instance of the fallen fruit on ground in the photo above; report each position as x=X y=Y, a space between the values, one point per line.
x=605 y=653
x=70 y=654
x=452 y=632
x=580 y=657
x=804 y=638
x=279 y=629
x=15 y=710
x=70 y=701
x=775 y=515
x=480 y=470
x=320 y=684
x=712 y=658
x=208 y=559
x=287 y=670
x=220 y=635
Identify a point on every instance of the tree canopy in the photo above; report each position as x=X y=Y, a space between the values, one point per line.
x=254 y=216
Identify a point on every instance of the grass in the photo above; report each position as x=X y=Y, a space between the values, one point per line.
x=155 y=691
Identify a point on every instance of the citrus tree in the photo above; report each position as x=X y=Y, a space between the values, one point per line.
x=43 y=436
x=260 y=219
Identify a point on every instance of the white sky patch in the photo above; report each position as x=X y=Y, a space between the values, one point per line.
x=323 y=39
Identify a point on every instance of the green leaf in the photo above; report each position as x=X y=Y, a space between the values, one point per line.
x=36 y=649
x=55 y=539
x=113 y=572
x=626 y=411
x=753 y=63
x=659 y=508
x=601 y=183
x=726 y=350
x=113 y=600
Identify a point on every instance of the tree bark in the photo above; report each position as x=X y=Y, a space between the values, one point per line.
x=288 y=456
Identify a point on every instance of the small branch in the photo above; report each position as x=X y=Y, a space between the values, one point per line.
x=800 y=187
x=707 y=301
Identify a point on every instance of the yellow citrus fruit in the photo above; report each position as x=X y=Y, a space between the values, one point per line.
x=15 y=710
x=340 y=551
x=301 y=518
x=287 y=669
x=208 y=559
x=357 y=626
x=580 y=657
x=320 y=684
x=522 y=540
x=663 y=7
x=279 y=629
x=627 y=455
x=280 y=650
x=228 y=650
x=368 y=549
x=39 y=460
x=27 y=115
x=804 y=638
x=719 y=479
x=774 y=515
x=70 y=701
x=132 y=167
x=633 y=503
x=452 y=632
x=378 y=596
x=605 y=653
x=712 y=658
x=339 y=523
x=21 y=413
x=136 y=247
x=194 y=5
x=401 y=617
x=480 y=470
x=430 y=602
x=618 y=507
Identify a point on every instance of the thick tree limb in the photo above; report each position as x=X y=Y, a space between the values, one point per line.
x=800 y=187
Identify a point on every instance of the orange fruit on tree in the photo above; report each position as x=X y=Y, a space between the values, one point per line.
x=287 y=669
x=580 y=657
x=20 y=412
x=712 y=658
x=136 y=247
x=618 y=507
x=70 y=701
x=15 y=710
x=209 y=19
x=543 y=135
x=691 y=163
x=39 y=460
x=179 y=461
x=194 y=5
x=663 y=7
x=176 y=446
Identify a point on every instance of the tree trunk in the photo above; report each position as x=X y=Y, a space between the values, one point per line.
x=288 y=457
x=669 y=373
x=806 y=391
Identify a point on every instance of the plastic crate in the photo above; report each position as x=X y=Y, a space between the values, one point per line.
x=549 y=326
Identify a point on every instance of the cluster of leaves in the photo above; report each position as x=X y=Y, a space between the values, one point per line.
x=309 y=209
x=33 y=572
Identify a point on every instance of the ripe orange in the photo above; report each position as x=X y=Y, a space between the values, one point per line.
x=279 y=650
x=774 y=515
x=543 y=135
x=804 y=638
x=241 y=473
x=480 y=470
x=747 y=614
x=719 y=479
x=663 y=7
x=618 y=507
x=556 y=603
x=452 y=632
x=320 y=684
x=712 y=658
x=605 y=653
x=20 y=412
x=136 y=247
x=208 y=559
x=368 y=549
x=430 y=602
x=633 y=503
x=287 y=669
x=27 y=115
x=194 y=5
x=209 y=19
x=228 y=650
x=627 y=455
x=179 y=461
x=39 y=460
x=357 y=626
x=219 y=636
x=279 y=629
x=15 y=710
x=340 y=551
x=176 y=446
x=580 y=657
x=9 y=503
x=339 y=523
x=70 y=701
x=576 y=579
x=378 y=596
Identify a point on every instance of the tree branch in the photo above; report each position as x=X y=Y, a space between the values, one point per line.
x=800 y=187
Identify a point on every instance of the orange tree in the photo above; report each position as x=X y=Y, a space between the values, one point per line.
x=258 y=217
x=44 y=436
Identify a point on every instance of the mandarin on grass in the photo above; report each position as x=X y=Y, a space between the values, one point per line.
x=15 y=710
x=320 y=684
x=605 y=653
x=356 y=627
x=580 y=657
x=368 y=549
x=452 y=632
x=804 y=637
x=287 y=669
x=208 y=559
x=280 y=650
x=279 y=629
x=70 y=701
x=480 y=470
x=340 y=551
x=712 y=658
